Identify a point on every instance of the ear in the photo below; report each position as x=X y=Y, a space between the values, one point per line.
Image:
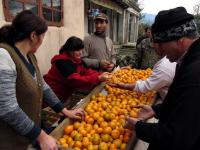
x=33 y=36
x=180 y=41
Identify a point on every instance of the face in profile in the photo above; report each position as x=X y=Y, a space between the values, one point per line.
x=148 y=33
x=76 y=55
x=100 y=26
x=171 y=50
x=36 y=41
x=157 y=48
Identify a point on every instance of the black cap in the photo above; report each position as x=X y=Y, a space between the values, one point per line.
x=167 y=19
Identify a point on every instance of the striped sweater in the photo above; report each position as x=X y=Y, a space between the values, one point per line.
x=10 y=112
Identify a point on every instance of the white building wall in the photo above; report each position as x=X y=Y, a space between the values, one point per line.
x=55 y=37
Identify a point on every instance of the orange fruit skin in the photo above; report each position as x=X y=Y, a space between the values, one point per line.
x=115 y=134
x=68 y=129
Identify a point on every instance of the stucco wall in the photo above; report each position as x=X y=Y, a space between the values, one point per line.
x=2 y=18
x=56 y=36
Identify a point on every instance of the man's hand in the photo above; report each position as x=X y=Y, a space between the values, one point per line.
x=130 y=123
x=123 y=86
x=77 y=114
x=145 y=112
x=104 y=64
x=47 y=142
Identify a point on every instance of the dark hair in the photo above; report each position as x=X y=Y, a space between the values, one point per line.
x=21 y=27
x=72 y=44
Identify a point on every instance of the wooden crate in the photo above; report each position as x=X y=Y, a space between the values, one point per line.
x=58 y=132
x=49 y=117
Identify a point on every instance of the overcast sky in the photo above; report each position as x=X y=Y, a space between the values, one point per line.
x=154 y=6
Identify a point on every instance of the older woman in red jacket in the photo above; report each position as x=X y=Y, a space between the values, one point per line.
x=68 y=72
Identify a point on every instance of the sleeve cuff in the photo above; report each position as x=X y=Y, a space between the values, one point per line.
x=156 y=109
x=58 y=107
x=144 y=131
x=138 y=128
x=34 y=133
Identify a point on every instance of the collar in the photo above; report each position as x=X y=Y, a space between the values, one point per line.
x=102 y=35
x=29 y=64
x=180 y=60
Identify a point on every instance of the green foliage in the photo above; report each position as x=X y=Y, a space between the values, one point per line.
x=141 y=28
x=142 y=25
x=141 y=16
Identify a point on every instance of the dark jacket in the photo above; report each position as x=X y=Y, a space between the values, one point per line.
x=146 y=54
x=76 y=76
x=179 y=115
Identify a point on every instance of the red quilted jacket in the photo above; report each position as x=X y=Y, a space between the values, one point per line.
x=63 y=87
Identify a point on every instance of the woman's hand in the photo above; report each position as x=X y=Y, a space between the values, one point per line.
x=125 y=68
x=47 y=142
x=105 y=76
x=77 y=114
x=145 y=112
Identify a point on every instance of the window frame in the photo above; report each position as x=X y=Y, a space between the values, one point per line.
x=9 y=17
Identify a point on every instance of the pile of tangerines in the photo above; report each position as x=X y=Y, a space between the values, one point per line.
x=102 y=128
x=130 y=75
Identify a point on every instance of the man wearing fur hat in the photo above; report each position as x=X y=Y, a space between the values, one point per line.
x=178 y=128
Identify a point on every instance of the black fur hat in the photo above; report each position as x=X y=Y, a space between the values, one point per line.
x=170 y=18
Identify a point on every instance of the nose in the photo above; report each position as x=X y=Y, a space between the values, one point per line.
x=98 y=25
x=80 y=52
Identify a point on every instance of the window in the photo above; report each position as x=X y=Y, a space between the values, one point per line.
x=131 y=28
x=49 y=10
x=115 y=27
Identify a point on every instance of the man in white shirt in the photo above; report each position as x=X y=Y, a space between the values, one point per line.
x=160 y=79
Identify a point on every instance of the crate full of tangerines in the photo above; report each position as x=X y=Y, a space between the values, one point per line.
x=102 y=127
